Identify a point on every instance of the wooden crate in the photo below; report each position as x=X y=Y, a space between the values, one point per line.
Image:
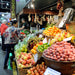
x=22 y=71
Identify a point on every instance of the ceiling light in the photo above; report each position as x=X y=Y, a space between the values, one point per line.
x=32 y=5
x=7 y=4
x=2 y=14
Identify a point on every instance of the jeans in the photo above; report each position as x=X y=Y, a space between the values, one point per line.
x=3 y=45
x=8 y=50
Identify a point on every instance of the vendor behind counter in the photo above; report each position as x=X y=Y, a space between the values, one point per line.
x=25 y=24
x=42 y=22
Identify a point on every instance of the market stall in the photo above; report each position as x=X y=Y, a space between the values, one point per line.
x=56 y=48
x=49 y=50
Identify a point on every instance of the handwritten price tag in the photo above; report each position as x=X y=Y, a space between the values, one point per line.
x=50 y=71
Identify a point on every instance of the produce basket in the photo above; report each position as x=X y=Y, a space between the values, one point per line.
x=23 y=71
x=65 y=67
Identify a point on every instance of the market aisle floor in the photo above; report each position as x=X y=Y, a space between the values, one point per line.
x=2 y=71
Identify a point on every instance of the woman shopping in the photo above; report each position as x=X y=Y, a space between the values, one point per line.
x=11 y=38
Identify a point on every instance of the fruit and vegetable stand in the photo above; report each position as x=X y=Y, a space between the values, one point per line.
x=58 y=53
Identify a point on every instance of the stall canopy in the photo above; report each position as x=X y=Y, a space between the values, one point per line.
x=20 y=4
x=45 y=4
x=41 y=4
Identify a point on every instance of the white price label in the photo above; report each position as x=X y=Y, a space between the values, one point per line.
x=50 y=71
x=40 y=36
x=67 y=39
x=35 y=57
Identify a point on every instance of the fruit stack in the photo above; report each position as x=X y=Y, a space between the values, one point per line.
x=60 y=51
x=60 y=37
x=33 y=41
x=34 y=50
x=41 y=48
x=51 y=31
x=73 y=40
x=39 y=69
x=25 y=60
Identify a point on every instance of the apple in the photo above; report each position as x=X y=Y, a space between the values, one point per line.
x=19 y=65
x=29 y=72
x=28 y=62
x=24 y=62
x=25 y=58
x=22 y=66
x=21 y=61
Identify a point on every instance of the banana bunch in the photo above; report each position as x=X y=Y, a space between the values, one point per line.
x=73 y=40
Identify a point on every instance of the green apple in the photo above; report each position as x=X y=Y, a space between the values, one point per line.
x=25 y=58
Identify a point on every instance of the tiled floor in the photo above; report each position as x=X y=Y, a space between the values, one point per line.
x=2 y=71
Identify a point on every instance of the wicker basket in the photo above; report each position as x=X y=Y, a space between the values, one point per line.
x=23 y=71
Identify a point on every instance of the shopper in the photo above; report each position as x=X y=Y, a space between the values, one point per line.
x=25 y=24
x=11 y=38
x=0 y=29
x=3 y=28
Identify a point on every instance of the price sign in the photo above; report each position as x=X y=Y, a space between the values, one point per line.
x=40 y=36
x=50 y=71
x=67 y=39
x=35 y=57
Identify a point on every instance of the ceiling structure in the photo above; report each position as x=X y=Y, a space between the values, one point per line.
x=39 y=4
x=5 y=5
x=50 y=4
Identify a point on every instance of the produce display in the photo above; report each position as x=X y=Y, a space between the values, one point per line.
x=41 y=48
x=25 y=32
x=23 y=48
x=60 y=51
x=39 y=69
x=51 y=31
x=33 y=41
x=60 y=37
x=34 y=50
x=25 y=60
x=73 y=40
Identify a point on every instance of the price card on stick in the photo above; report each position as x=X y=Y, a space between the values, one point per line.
x=67 y=39
x=36 y=57
x=50 y=71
